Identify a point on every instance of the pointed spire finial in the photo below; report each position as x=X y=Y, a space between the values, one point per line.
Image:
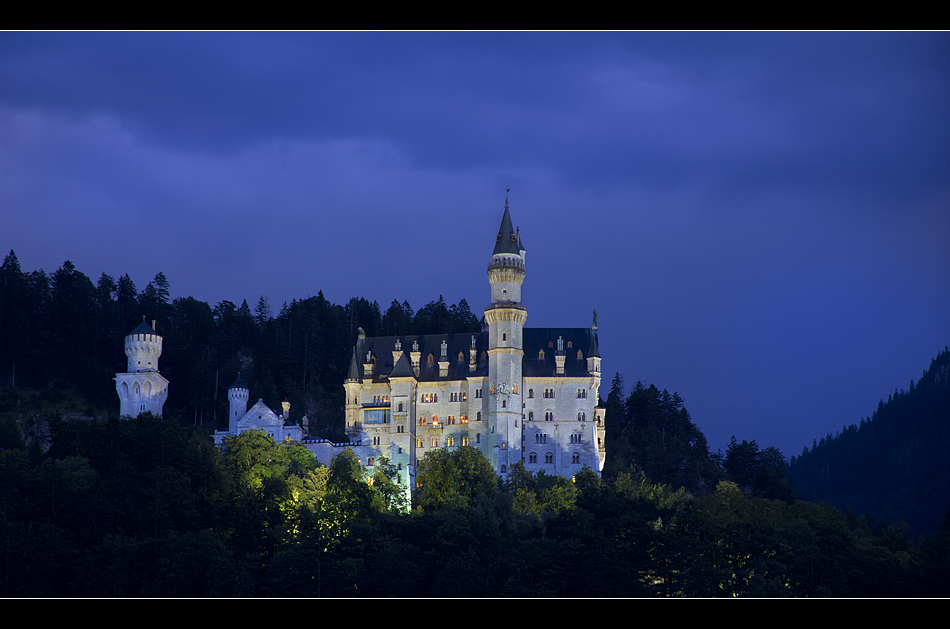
x=507 y=190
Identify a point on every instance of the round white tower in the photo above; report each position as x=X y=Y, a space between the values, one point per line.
x=142 y=389
x=238 y=394
x=506 y=318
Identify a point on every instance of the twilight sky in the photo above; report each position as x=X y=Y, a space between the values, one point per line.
x=761 y=220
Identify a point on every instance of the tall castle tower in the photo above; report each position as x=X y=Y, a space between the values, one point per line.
x=142 y=389
x=506 y=318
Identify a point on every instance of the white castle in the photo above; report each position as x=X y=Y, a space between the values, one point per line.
x=142 y=389
x=517 y=394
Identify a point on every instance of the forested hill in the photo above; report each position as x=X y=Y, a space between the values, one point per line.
x=893 y=465
x=62 y=342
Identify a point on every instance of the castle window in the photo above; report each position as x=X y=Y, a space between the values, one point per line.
x=450 y=441
x=530 y=393
x=504 y=469
x=478 y=437
x=532 y=458
x=435 y=442
x=503 y=447
x=464 y=396
x=400 y=407
x=430 y=359
x=504 y=336
x=569 y=345
x=514 y=389
x=582 y=417
x=530 y=416
x=548 y=458
x=465 y=440
x=580 y=355
x=549 y=416
x=503 y=404
x=400 y=452
x=464 y=419
x=461 y=357
x=575 y=458
x=422 y=421
x=371 y=461
x=420 y=443
x=540 y=354
x=435 y=420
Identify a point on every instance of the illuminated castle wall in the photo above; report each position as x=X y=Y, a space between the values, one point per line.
x=515 y=393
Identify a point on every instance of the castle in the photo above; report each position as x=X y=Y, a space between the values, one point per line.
x=517 y=394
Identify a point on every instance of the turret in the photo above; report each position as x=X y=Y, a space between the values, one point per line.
x=142 y=389
x=238 y=395
x=143 y=346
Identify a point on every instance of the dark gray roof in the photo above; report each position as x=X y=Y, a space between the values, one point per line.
x=535 y=340
x=143 y=328
x=403 y=368
x=506 y=241
x=354 y=373
x=238 y=384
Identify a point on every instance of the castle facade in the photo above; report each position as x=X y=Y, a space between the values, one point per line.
x=518 y=394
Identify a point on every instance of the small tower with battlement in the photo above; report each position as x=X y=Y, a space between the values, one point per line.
x=238 y=395
x=142 y=389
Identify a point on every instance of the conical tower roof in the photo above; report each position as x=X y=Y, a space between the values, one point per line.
x=506 y=241
x=354 y=373
x=238 y=384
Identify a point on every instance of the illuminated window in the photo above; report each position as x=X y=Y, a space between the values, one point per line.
x=465 y=440
x=420 y=443
x=464 y=396
x=435 y=420
x=503 y=446
x=514 y=389
x=464 y=419
x=540 y=354
x=435 y=442
x=580 y=355
x=422 y=421
x=371 y=461
x=450 y=441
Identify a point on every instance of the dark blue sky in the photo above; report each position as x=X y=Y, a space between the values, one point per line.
x=762 y=220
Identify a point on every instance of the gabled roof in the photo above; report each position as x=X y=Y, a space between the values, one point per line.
x=260 y=416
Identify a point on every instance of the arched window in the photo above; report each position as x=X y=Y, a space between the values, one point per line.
x=420 y=443
x=371 y=461
x=582 y=417
x=532 y=458
x=575 y=458
x=504 y=469
x=530 y=393
x=540 y=354
x=580 y=355
x=548 y=458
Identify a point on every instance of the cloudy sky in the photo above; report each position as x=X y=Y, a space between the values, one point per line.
x=761 y=220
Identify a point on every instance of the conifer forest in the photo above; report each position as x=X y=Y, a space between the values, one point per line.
x=92 y=505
